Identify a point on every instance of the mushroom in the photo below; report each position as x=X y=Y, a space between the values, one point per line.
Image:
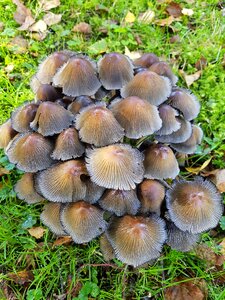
x=169 y=122
x=47 y=92
x=146 y=60
x=93 y=192
x=106 y=248
x=79 y=103
x=7 y=133
x=163 y=69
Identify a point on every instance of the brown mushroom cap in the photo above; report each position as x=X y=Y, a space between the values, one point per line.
x=190 y=145
x=68 y=145
x=137 y=116
x=194 y=206
x=116 y=166
x=51 y=118
x=169 y=122
x=25 y=190
x=149 y=86
x=50 y=218
x=79 y=103
x=82 y=221
x=115 y=70
x=30 y=152
x=186 y=102
x=62 y=182
x=163 y=69
x=98 y=126
x=151 y=194
x=136 y=240
x=179 y=136
x=120 y=202
x=180 y=240
x=35 y=84
x=23 y=116
x=7 y=133
x=77 y=77
x=146 y=60
x=48 y=68
x=93 y=192
x=106 y=248
x=47 y=92
x=160 y=162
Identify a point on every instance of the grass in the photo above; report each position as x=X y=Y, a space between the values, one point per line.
x=80 y=271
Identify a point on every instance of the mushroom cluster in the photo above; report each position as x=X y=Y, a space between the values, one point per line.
x=99 y=143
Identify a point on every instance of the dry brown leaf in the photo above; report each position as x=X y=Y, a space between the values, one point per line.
x=39 y=36
x=201 y=63
x=187 y=12
x=147 y=17
x=132 y=54
x=82 y=27
x=174 y=9
x=165 y=22
x=63 y=240
x=175 y=39
x=51 y=19
x=188 y=290
x=22 y=12
x=4 y=171
x=39 y=26
x=19 y=44
x=206 y=253
x=130 y=17
x=49 y=4
x=190 y=79
x=27 y=23
x=21 y=277
x=37 y=232
x=218 y=178
x=197 y=170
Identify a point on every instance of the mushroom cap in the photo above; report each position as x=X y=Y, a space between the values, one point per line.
x=82 y=221
x=163 y=69
x=190 y=145
x=180 y=240
x=116 y=166
x=7 y=133
x=93 y=192
x=186 y=102
x=77 y=77
x=62 y=182
x=30 y=152
x=22 y=116
x=50 y=218
x=79 y=103
x=120 y=202
x=68 y=145
x=160 y=162
x=115 y=70
x=25 y=190
x=194 y=206
x=146 y=60
x=149 y=86
x=47 y=92
x=98 y=126
x=169 y=122
x=35 y=84
x=106 y=248
x=179 y=136
x=48 y=68
x=137 y=116
x=51 y=118
x=151 y=193
x=137 y=240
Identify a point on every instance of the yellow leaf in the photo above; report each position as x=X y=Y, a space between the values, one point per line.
x=199 y=169
x=130 y=17
x=37 y=232
x=187 y=12
x=132 y=54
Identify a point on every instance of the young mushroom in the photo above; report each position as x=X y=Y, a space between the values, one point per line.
x=163 y=69
x=7 y=133
x=169 y=122
x=146 y=60
x=79 y=103
x=47 y=92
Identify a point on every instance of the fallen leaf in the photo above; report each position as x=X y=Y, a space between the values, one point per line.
x=98 y=47
x=187 y=290
x=2 y=25
x=206 y=253
x=82 y=27
x=37 y=232
x=21 y=277
x=138 y=39
x=174 y=9
x=39 y=36
x=220 y=180
x=222 y=244
x=165 y=22
x=201 y=63
x=190 y=79
x=132 y=54
x=19 y=45
x=51 y=19
x=175 y=39
x=4 y=171
x=22 y=12
x=49 y=4
x=130 y=17
x=187 y=12
x=200 y=168
x=39 y=26
x=63 y=240
x=27 y=23
x=147 y=17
